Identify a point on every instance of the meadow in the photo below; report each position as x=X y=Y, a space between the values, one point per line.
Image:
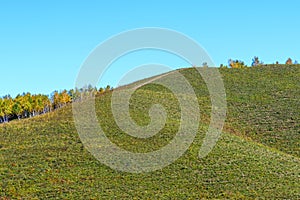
x=257 y=155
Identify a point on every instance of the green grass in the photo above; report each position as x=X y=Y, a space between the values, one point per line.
x=256 y=157
x=264 y=105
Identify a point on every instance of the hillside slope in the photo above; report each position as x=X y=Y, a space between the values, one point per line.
x=257 y=155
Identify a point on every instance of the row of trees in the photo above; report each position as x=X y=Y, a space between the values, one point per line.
x=30 y=105
x=255 y=62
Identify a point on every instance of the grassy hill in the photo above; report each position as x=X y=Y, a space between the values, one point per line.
x=256 y=157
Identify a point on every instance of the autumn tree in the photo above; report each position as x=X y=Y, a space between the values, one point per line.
x=55 y=100
x=238 y=64
x=28 y=105
x=289 y=61
x=64 y=98
x=17 y=107
x=46 y=103
x=2 y=110
x=6 y=104
x=101 y=90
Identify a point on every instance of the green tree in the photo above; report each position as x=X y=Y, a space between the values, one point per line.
x=17 y=107
x=108 y=88
x=75 y=95
x=223 y=66
x=256 y=62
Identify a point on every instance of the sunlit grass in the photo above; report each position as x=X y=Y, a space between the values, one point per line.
x=256 y=157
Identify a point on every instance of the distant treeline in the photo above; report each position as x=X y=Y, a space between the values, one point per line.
x=255 y=62
x=30 y=105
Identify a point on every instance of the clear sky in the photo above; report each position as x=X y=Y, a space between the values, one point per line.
x=44 y=43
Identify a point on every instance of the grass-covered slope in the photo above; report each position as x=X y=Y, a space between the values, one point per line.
x=257 y=155
x=264 y=104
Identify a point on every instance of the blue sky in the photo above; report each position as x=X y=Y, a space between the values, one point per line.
x=44 y=43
